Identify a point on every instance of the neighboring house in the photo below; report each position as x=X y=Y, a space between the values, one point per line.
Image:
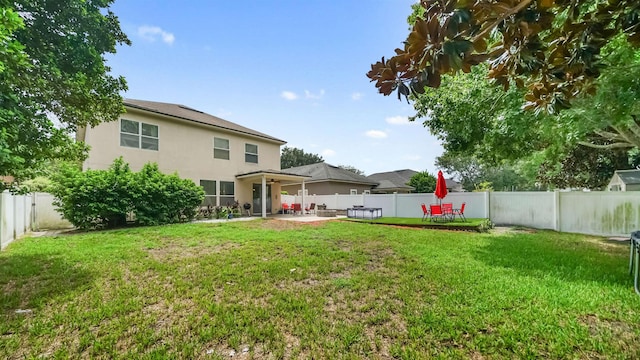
x=231 y=162
x=325 y=179
x=453 y=186
x=625 y=180
x=393 y=181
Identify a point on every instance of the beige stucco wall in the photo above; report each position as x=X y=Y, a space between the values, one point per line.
x=183 y=148
x=326 y=188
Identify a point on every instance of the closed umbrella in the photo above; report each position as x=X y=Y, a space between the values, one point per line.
x=441 y=187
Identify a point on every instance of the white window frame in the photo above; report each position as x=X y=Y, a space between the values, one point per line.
x=210 y=199
x=140 y=136
x=306 y=192
x=353 y=192
x=366 y=192
x=226 y=199
x=249 y=154
x=221 y=149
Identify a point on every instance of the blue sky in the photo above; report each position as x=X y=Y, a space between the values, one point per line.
x=292 y=69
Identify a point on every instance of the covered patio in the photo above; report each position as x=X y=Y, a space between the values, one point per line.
x=266 y=186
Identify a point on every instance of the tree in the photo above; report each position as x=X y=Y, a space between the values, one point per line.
x=477 y=120
x=352 y=169
x=52 y=69
x=472 y=174
x=423 y=182
x=292 y=157
x=549 y=47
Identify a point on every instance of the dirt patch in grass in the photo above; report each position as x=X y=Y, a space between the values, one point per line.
x=174 y=251
x=511 y=230
x=598 y=327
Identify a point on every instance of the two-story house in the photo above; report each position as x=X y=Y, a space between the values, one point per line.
x=231 y=162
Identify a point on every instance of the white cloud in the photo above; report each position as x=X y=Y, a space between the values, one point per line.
x=309 y=95
x=413 y=157
x=288 y=95
x=376 y=134
x=398 y=120
x=356 y=96
x=152 y=33
x=328 y=152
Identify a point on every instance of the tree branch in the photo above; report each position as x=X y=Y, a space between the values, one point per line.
x=606 y=146
x=520 y=6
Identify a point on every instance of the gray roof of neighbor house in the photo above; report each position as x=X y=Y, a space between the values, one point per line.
x=397 y=179
x=183 y=112
x=326 y=172
x=451 y=183
x=629 y=176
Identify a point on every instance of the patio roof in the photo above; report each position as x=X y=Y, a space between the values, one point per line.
x=275 y=175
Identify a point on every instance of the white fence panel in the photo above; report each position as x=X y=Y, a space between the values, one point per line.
x=387 y=202
x=600 y=213
x=534 y=209
x=46 y=217
x=15 y=217
x=7 y=218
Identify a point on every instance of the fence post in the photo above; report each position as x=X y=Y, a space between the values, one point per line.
x=487 y=205
x=556 y=210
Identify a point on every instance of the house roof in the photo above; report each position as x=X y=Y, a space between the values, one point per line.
x=451 y=183
x=393 y=180
x=629 y=177
x=186 y=113
x=326 y=172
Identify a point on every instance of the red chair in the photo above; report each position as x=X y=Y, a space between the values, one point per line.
x=435 y=212
x=296 y=208
x=425 y=212
x=311 y=208
x=460 y=212
x=285 y=208
x=447 y=210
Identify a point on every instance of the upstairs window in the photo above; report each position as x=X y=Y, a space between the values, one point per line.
x=221 y=148
x=138 y=135
x=251 y=153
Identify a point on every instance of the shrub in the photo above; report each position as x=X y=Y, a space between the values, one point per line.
x=163 y=199
x=103 y=198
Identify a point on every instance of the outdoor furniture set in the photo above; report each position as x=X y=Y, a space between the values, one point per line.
x=443 y=212
x=296 y=208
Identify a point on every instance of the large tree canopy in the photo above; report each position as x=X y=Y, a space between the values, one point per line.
x=52 y=68
x=550 y=47
x=292 y=157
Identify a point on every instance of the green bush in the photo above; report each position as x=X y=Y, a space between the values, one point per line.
x=163 y=199
x=103 y=198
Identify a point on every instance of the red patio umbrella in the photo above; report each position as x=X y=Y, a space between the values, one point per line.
x=441 y=187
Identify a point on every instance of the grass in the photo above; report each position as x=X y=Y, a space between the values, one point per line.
x=418 y=222
x=276 y=289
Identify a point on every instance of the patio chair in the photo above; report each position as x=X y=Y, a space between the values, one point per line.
x=311 y=208
x=296 y=208
x=460 y=212
x=285 y=208
x=435 y=212
x=425 y=212
x=447 y=210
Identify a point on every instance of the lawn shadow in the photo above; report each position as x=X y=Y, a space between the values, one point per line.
x=28 y=282
x=561 y=256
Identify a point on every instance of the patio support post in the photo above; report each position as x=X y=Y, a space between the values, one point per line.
x=302 y=197
x=264 y=197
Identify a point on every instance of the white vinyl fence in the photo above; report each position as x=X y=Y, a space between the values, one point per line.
x=15 y=217
x=20 y=214
x=597 y=213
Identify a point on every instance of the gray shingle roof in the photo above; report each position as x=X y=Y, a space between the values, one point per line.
x=326 y=172
x=629 y=177
x=183 y=112
x=397 y=179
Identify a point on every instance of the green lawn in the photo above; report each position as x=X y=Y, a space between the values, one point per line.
x=276 y=289
x=418 y=222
